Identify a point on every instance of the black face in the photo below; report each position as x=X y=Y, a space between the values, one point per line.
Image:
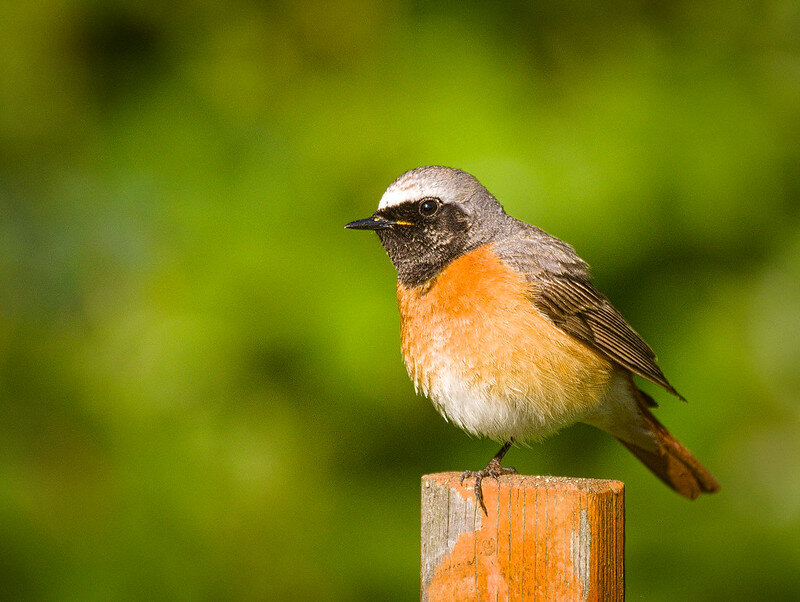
x=426 y=235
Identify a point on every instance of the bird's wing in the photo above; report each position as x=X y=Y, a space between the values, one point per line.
x=562 y=291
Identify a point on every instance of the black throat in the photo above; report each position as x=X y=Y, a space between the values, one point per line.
x=424 y=247
x=413 y=271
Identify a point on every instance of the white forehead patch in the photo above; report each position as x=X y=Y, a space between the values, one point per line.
x=400 y=192
x=410 y=187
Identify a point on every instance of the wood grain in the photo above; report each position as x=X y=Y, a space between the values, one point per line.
x=545 y=538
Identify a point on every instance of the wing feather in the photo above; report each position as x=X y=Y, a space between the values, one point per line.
x=562 y=291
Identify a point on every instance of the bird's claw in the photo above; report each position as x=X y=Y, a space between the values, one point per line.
x=492 y=470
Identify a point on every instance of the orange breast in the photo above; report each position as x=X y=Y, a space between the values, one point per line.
x=475 y=344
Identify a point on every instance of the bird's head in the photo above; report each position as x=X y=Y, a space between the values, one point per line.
x=430 y=216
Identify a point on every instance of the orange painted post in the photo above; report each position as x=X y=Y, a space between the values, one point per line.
x=545 y=538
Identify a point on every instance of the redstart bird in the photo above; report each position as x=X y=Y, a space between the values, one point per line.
x=502 y=329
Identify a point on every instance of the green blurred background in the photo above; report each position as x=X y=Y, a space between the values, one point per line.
x=201 y=390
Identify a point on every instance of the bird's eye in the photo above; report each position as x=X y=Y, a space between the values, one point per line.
x=429 y=207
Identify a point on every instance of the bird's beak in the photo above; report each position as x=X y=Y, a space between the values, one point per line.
x=376 y=222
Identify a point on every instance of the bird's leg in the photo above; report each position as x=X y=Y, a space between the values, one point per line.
x=493 y=469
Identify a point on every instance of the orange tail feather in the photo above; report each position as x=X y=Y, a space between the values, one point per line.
x=673 y=463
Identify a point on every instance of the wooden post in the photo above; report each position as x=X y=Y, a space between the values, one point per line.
x=545 y=538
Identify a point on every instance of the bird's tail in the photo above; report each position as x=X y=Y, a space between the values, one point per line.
x=668 y=459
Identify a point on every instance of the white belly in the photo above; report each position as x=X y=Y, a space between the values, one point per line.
x=527 y=410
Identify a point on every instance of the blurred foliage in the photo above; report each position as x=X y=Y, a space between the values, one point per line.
x=201 y=388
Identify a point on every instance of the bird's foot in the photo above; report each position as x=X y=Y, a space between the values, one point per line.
x=492 y=470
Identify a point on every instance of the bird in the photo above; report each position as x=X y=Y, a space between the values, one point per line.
x=503 y=330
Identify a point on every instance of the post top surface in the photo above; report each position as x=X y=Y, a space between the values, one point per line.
x=452 y=479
